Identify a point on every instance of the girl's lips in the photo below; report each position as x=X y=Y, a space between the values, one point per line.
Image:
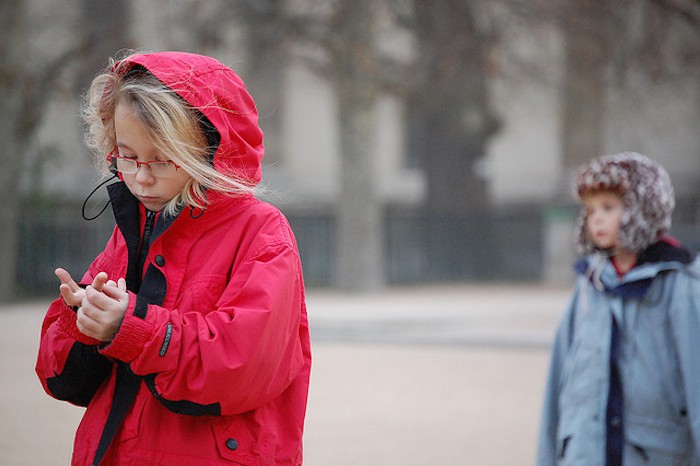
x=152 y=202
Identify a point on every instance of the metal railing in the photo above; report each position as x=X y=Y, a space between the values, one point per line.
x=419 y=248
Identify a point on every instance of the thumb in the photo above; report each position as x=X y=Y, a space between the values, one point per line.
x=65 y=278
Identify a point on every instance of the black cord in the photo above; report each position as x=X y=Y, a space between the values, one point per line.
x=91 y=194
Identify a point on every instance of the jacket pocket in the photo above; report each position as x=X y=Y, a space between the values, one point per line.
x=201 y=295
x=573 y=449
x=561 y=447
x=242 y=439
x=658 y=443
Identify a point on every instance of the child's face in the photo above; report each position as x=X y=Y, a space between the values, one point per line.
x=134 y=141
x=603 y=217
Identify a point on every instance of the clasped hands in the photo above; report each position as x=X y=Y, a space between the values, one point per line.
x=101 y=305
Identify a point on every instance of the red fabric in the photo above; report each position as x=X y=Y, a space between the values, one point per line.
x=232 y=329
x=670 y=240
x=620 y=273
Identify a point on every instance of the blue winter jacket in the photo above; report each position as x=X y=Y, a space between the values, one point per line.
x=657 y=308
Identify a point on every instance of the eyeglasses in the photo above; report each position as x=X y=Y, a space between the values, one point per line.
x=129 y=166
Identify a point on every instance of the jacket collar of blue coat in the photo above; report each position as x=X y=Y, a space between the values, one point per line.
x=656 y=259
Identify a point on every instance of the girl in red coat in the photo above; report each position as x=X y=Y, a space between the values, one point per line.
x=187 y=338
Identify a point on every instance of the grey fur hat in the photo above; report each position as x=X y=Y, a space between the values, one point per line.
x=646 y=192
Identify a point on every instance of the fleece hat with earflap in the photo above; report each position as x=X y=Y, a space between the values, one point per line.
x=646 y=192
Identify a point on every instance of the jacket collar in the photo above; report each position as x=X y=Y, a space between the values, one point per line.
x=660 y=257
x=127 y=216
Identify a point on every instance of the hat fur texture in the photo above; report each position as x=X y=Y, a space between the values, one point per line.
x=646 y=192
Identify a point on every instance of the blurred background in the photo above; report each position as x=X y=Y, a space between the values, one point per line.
x=423 y=151
x=408 y=141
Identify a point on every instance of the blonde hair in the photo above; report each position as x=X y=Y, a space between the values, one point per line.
x=175 y=127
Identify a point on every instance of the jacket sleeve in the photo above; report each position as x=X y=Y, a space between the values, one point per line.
x=686 y=328
x=69 y=364
x=547 y=452
x=230 y=359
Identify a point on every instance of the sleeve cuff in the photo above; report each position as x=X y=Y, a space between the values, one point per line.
x=67 y=322
x=131 y=338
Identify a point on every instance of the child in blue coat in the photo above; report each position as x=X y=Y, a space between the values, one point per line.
x=624 y=381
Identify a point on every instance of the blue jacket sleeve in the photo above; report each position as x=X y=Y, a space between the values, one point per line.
x=686 y=328
x=547 y=451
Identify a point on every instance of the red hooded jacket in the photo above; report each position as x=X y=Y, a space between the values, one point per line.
x=211 y=363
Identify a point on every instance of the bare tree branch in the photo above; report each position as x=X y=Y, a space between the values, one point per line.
x=689 y=10
x=39 y=86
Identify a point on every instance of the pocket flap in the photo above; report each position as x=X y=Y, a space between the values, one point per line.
x=659 y=435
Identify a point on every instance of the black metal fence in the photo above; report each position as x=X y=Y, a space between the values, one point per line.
x=56 y=236
x=419 y=248
x=502 y=244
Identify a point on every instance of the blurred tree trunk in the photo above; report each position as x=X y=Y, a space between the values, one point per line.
x=689 y=10
x=450 y=116
x=25 y=87
x=587 y=42
x=268 y=51
x=106 y=29
x=13 y=53
x=359 y=217
x=344 y=32
x=450 y=121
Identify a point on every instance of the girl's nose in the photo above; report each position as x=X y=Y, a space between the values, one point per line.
x=144 y=175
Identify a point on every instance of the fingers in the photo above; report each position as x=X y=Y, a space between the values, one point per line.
x=101 y=305
x=71 y=293
x=98 y=324
x=120 y=285
x=102 y=312
x=87 y=324
x=65 y=278
x=99 y=281
x=98 y=298
x=115 y=291
x=68 y=296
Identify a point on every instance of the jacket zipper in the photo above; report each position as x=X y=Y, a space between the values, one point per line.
x=146 y=240
x=148 y=227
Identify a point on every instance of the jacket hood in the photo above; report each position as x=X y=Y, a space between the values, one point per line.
x=221 y=96
x=646 y=192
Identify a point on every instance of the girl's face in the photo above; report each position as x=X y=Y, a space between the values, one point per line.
x=134 y=141
x=603 y=217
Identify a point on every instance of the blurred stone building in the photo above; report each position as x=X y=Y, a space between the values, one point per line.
x=528 y=184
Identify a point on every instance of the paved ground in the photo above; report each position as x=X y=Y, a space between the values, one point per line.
x=449 y=375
